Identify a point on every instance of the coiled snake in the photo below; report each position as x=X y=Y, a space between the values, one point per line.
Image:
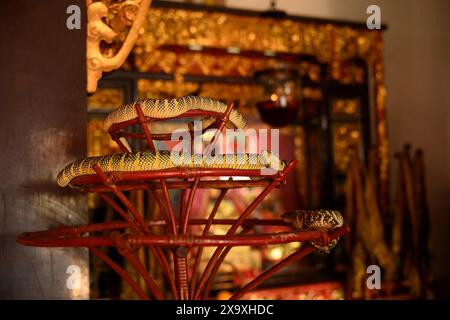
x=170 y=108
x=309 y=220
x=160 y=160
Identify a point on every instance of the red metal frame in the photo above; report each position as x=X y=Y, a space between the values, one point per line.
x=176 y=238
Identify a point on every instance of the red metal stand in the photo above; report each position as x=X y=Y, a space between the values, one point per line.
x=135 y=232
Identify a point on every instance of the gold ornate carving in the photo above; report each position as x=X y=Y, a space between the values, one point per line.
x=244 y=95
x=326 y=42
x=160 y=89
x=382 y=141
x=338 y=46
x=126 y=13
x=105 y=99
x=345 y=107
x=346 y=137
x=301 y=169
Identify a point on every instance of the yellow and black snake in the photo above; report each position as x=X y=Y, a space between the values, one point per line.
x=170 y=108
x=310 y=220
x=160 y=160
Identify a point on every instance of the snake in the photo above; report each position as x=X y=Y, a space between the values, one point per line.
x=312 y=220
x=171 y=108
x=163 y=159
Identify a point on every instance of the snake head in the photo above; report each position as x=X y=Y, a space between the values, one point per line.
x=314 y=219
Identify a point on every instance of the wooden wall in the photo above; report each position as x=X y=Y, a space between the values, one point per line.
x=42 y=128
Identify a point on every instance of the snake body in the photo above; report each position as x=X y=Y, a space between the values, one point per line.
x=310 y=220
x=170 y=108
x=160 y=160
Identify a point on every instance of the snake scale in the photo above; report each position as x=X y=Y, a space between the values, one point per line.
x=309 y=220
x=160 y=160
x=170 y=108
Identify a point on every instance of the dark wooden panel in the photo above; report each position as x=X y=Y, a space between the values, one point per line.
x=42 y=128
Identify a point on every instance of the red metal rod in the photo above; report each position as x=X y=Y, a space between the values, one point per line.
x=157 y=251
x=208 y=224
x=203 y=184
x=217 y=266
x=182 y=206
x=302 y=252
x=117 y=225
x=188 y=208
x=143 y=123
x=181 y=272
x=122 y=212
x=125 y=250
x=115 y=129
x=137 y=217
x=180 y=173
x=209 y=267
x=170 y=212
x=163 y=210
x=223 y=120
x=158 y=136
x=121 y=272
x=176 y=240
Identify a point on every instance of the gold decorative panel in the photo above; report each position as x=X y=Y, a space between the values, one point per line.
x=300 y=155
x=347 y=139
x=345 y=107
x=99 y=141
x=105 y=99
x=224 y=30
x=160 y=89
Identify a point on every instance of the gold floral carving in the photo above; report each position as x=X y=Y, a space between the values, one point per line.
x=346 y=137
x=105 y=99
x=126 y=13
x=244 y=95
x=345 y=107
x=327 y=42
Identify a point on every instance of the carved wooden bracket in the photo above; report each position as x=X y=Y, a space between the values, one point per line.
x=120 y=15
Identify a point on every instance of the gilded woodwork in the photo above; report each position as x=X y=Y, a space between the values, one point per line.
x=120 y=15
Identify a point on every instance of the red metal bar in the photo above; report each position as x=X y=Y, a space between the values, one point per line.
x=142 y=224
x=117 y=225
x=210 y=266
x=163 y=210
x=125 y=250
x=115 y=128
x=170 y=212
x=302 y=252
x=143 y=123
x=222 y=121
x=176 y=240
x=203 y=184
x=121 y=272
x=122 y=212
x=137 y=217
x=217 y=266
x=208 y=224
x=187 y=211
x=180 y=173
x=182 y=206
x=160 y=256
x=181 y=272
